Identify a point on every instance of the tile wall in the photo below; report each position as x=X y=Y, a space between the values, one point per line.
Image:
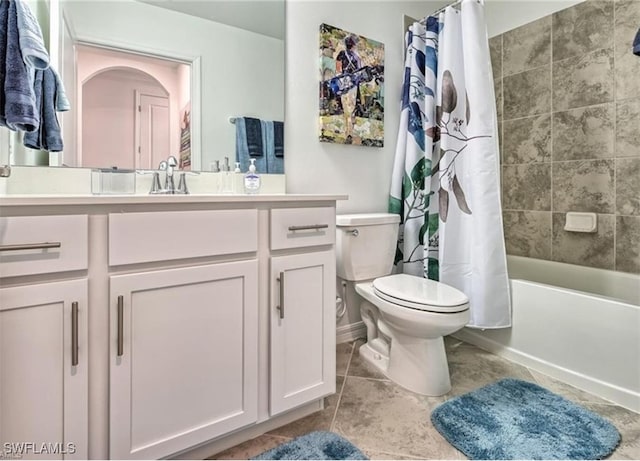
x=568 y=96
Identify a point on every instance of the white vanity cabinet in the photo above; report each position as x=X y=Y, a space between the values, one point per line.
x=183 y=348
x=302 y=314
x=43 y=337
x=202 y=321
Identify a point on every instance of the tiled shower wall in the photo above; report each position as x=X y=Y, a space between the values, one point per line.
x=568 y=96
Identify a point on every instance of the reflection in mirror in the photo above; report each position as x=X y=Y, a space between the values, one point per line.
x=230 y=52
x=131 y=110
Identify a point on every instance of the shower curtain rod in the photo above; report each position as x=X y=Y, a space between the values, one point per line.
x=457 y=2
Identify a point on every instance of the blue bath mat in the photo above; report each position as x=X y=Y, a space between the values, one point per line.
x=513 y=419
x=315 y=445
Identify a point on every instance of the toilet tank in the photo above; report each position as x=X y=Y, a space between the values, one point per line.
x=365 y=245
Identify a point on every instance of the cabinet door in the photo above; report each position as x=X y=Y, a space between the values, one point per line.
x=183 y=357
x=43 y=370
x=303 y=329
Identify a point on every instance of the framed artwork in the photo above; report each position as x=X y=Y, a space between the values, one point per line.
x=351 y=88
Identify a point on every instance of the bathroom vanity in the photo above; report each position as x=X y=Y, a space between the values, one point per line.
x=163 y=326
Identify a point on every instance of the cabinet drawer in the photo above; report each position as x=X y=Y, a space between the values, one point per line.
x=302 y=227
x=53 y=244
x=161 y=236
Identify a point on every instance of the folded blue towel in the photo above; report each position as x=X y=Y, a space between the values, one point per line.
x=275 y=165
x=48 y=136
x=4 y=16
x=254 y=136
x=636 y=44
x=20 y=110
x=34 y=52
x=278 y=138
x=242 y=150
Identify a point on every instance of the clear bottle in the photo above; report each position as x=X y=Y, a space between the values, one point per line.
x=252 y=179
x=227 y=177
x=237 y=180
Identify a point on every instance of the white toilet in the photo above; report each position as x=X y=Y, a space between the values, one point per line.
x=406 y=316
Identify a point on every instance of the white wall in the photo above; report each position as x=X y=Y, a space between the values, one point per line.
x=313 y=167
x=361 y=172
x=241 y=72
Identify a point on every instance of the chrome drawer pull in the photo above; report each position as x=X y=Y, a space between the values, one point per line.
x=120 y=326
x=74 y=334
x=30 y=246
x=280 y=307
x=309 y=227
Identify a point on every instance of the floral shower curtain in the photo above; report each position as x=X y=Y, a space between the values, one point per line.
x=445 y=182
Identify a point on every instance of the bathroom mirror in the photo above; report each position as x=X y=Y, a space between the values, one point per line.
x=148 y=79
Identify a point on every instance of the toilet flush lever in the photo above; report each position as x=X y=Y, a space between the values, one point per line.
x=355 y=232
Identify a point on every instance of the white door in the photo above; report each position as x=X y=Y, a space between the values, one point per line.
x=154 y=144
x=43 y=370
x=303 y=329
x=184 y=357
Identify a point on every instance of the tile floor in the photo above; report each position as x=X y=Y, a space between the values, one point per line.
x=388 y=422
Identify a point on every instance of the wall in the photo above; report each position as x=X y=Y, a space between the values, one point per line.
x=361 y=172
x=569 y=105
x=241 y=72
x=90 y=61
x=108 y=118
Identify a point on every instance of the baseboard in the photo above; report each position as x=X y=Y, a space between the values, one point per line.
x=620 y=396
x=351 y=332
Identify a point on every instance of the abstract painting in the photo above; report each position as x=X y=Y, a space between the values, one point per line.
x=351 y=88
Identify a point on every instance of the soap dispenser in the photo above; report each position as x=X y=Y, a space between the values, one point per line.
x=252 y=179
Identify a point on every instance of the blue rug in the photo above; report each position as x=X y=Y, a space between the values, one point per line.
x=315 y=445
x=513 y=419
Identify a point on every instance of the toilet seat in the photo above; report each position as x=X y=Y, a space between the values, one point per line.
x=418 y=293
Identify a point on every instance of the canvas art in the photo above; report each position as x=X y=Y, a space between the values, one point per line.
x=351 y=88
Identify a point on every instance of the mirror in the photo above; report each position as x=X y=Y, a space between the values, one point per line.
x=152 y=78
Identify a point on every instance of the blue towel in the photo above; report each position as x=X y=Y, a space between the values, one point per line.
x=20 y=111
x=4 y=16
x=34 y=53
x=253 y=127
x=636 y=44
x=278 y=138
x=48 y=136
x=242 y=150
x=275 y=165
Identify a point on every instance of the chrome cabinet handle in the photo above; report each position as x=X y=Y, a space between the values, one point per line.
x=309 y=227
x=280 y=307
x=30 y=246
x=120 y=326
x=74 y=334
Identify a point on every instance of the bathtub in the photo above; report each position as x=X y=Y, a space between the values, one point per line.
x=577 y=324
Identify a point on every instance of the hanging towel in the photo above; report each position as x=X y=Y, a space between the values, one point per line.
x=4 y=16
x=636 y=44
x=275 y=165
x=254 y=136
x=48 y=136
x=20 y=110
x=278 y=137
x=242 y=150
x=61 y=102
x=34 y=53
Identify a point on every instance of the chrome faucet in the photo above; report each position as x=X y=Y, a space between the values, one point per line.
x=169 y=183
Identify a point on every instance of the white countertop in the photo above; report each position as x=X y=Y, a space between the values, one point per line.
x=33 y=200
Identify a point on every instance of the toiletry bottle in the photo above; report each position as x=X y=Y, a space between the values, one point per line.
x=227 y=183
x=252 y=179
x=237 y=180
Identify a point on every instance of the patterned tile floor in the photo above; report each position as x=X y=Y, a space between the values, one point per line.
x=388 y=422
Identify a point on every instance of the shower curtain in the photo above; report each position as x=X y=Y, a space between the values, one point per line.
x=445 y=181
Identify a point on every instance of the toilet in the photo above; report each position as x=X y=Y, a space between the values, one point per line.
x=406 y=316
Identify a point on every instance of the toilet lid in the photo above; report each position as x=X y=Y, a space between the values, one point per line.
x=419 y=293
